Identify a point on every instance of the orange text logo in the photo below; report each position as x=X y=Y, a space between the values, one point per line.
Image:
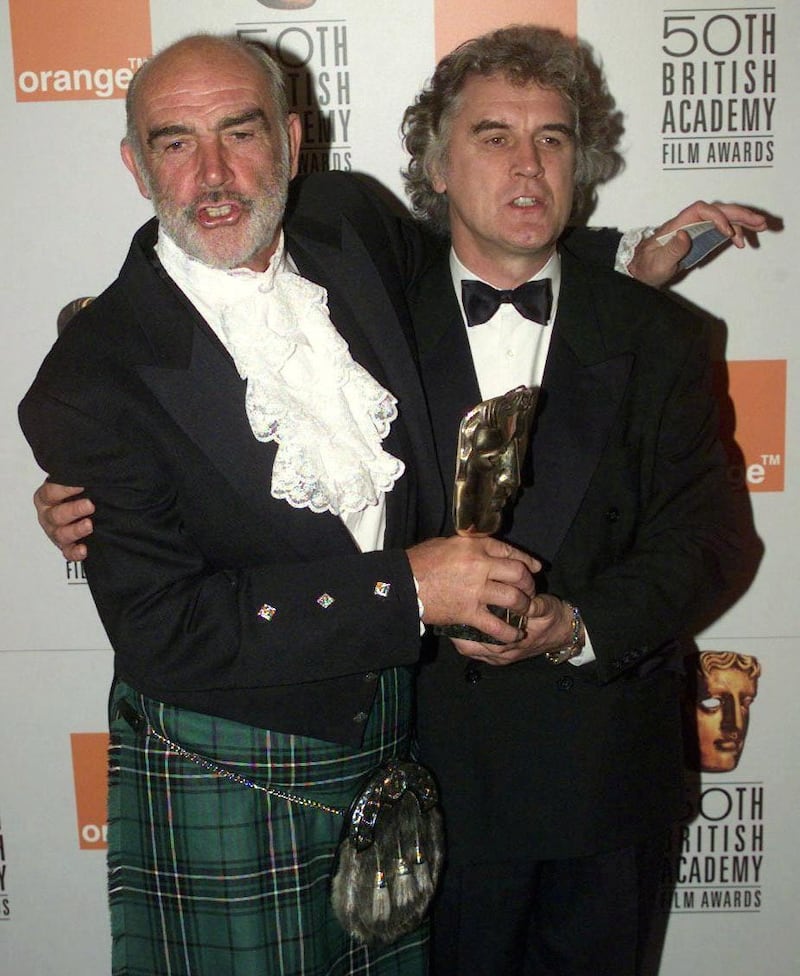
x=77 y=49
x=89 y=767
x=754 y=422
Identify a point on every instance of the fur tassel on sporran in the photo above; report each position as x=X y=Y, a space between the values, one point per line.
x=390 y=856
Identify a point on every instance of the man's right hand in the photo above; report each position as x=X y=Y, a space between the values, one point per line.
x=64 y=518
x=460 y=577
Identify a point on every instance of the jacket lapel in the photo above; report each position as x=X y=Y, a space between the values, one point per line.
x=378 y=332
x=582 y=389
x=448 y=373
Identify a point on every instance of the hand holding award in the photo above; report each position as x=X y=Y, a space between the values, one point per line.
x=492 y=442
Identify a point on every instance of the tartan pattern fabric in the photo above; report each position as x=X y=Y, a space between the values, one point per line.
x=209 y=877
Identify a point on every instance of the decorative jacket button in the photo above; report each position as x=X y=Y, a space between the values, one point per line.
x=612 y=515
x=360 y=717
x=371 y=676
x=566 y=683
x=472 y=674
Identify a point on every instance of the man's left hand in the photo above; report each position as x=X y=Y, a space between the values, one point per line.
x=548 y=628
x=65 y=518
x=655 y=264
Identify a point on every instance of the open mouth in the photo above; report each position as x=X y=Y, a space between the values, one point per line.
x=524 y=203
x=219 y=214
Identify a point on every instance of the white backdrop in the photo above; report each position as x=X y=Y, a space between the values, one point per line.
x=710 y=98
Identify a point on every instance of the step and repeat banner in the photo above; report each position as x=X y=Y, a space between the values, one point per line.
x=710 y=96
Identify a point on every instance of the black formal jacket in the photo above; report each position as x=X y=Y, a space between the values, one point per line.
x=626 y=502
x=140 y=403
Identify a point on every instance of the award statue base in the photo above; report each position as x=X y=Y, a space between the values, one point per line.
x=465 y=632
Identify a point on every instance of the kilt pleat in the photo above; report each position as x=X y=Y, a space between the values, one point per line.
x=210 y=877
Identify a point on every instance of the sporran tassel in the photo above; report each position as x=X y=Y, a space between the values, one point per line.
x=381 y=900
x=404 y=887
x=422 y=874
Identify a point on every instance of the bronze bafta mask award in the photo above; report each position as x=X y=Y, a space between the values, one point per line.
x=492 y=441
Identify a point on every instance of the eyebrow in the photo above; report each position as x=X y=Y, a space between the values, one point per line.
x=228 y=122
x=253 y=114
x=490 y=125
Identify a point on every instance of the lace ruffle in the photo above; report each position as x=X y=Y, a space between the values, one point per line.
x=326 y=413
x=629 y=241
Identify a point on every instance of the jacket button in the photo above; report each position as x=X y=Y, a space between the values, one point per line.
x=472 y=674
x=371 y=676
x=360 y=717
x=612 y=515
x=566 y=683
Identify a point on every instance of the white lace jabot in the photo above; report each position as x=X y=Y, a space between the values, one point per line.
x=325 y=412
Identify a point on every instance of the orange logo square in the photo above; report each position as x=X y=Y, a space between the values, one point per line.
x=90 y=770
x=458 y=20
x=753 y=418
x=77 y=49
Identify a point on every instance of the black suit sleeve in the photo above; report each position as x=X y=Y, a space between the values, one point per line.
x=180 y=617
x=674 y=541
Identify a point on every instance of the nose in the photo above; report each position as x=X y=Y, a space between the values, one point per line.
x=508 y=475
x=528 y=160
x=732 y=718
x=213 y=168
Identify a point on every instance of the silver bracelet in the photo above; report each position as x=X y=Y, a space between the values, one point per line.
x=573 y=648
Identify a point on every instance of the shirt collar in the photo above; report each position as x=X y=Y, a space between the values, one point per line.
x=216 y=285
x=551 y=269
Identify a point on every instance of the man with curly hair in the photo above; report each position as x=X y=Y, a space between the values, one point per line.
x=559 y=755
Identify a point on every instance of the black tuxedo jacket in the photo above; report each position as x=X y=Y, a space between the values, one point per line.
x=626 y=502
x=140 y=403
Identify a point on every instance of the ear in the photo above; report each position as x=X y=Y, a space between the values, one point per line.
x=294 y=132
x=436 y=176
x=129 y=158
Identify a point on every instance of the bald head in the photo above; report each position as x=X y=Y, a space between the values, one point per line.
x=211 y=143
x=203 y=51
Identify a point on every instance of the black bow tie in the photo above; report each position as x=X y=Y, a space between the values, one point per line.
x=532 y=300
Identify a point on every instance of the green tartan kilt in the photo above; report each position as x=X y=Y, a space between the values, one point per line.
x=211 y=877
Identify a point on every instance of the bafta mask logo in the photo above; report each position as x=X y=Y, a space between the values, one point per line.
x=725 y=685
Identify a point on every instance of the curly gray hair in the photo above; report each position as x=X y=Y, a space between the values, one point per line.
x=523 y=54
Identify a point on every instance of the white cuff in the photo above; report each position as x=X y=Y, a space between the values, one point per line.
x=587 y=654
x=420 y=607
x=629 y=241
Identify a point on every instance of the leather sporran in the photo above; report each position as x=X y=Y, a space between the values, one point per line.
x=390 y=855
